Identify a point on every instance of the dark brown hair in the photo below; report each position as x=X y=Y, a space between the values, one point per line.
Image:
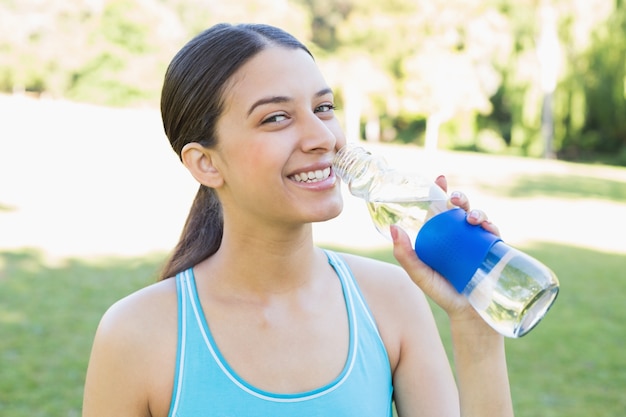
x=191 y=103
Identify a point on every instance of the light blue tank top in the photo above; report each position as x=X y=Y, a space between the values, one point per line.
x=205 y=385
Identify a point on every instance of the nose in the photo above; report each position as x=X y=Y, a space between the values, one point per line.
x=318 y=134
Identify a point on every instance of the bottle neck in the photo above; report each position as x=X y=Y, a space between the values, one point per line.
x=356 y=167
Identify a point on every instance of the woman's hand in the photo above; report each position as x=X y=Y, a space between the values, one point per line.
x=431 y=283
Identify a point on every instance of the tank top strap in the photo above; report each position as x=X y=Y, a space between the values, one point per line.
x=348 y=281
x=183 y=296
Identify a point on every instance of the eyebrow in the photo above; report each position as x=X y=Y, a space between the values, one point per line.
x=283 y=99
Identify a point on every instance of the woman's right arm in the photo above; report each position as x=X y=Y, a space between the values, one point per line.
x=481 y=370
x=131 y=368
x=115 y=383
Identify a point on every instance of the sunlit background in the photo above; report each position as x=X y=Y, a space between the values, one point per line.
x=521 y=103
x=82 y=141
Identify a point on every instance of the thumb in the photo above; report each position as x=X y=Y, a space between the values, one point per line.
x=404 y=253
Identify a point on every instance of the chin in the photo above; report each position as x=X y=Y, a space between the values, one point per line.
x=330 y=212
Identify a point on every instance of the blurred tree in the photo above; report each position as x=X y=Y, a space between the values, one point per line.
x=326 y=18
x=587 y=54
x=122 y=54
x=198 y=15
x=112 y=52
x=595 y=103
x=453 y=74
x=455 y=71
x=517 y=101
x=104 y=52
x=439 y=54
x=38 y=43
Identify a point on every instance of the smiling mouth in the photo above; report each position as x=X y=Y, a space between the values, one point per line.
x=312 y=176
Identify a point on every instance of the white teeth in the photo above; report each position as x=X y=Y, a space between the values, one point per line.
x=312 y=176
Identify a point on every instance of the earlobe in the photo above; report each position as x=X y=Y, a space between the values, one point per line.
x=199 y=161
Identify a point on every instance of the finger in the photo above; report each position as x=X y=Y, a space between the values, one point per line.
x=476 y=216
x=480 y=217
x=402 y=249
x=459 y=199
x=433 y=285
x=442 y=182
x=404 y=253
x=490 y=227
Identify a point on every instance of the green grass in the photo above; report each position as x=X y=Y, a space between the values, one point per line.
x=573 y=364
x=569 y=187
x=48 y=316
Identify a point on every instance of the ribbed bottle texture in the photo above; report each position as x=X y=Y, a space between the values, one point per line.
x=392 y=198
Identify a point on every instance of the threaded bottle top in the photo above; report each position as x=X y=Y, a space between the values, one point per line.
x=351 y=163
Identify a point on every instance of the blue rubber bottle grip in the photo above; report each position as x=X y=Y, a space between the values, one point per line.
x=453 y=247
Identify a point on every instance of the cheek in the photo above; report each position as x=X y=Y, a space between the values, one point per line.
x=337 y=131
x=254 y=159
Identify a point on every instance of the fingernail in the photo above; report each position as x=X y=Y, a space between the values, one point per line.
x=393 y=232
x=455 y=194
x=474 y=214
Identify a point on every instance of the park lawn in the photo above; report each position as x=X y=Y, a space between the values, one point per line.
x=571 y=365
x=48 y=317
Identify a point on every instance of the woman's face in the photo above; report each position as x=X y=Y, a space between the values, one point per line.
x=276 y=139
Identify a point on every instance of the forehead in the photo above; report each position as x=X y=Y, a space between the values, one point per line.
x=275 y=71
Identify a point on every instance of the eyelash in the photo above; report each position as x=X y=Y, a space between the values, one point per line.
x=272 y=119
x=329 y=107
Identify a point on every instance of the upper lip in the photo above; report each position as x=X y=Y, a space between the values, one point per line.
x=320 y=166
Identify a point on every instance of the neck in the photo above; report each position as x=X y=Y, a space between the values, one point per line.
x=263 y=262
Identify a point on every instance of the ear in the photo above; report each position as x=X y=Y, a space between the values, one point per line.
x=199 y=161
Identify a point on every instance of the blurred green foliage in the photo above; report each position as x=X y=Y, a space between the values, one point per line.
x=470 y=71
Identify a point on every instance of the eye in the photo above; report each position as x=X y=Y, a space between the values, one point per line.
x=324 y=108
x=275 y=118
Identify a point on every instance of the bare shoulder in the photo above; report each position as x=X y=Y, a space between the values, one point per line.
x=383 y=282
x=141 y=312
x=142 y=325
x=399 y=307
x=133 y=355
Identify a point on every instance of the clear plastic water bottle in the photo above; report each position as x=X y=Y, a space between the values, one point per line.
x=510 y=290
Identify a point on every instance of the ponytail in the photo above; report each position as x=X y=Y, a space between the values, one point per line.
x=201 y=236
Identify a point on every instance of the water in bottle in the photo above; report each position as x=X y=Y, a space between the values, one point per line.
x=510 y=290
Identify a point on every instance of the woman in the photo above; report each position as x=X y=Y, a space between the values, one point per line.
x=250 y=318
